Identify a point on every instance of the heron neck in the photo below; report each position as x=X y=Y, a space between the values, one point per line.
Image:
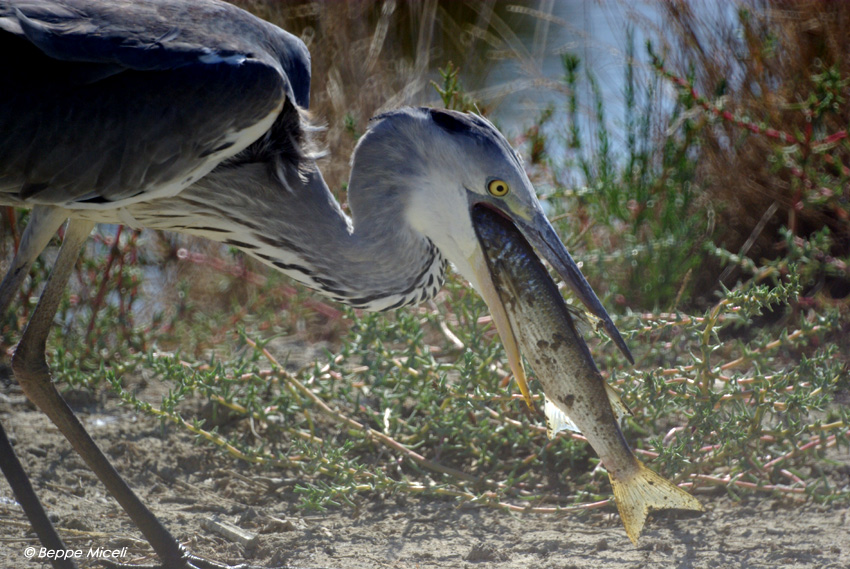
x=373 y=260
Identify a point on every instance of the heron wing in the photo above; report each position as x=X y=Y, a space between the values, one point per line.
x=111 y=101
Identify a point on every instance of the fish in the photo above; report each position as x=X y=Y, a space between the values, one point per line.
x=578 y=397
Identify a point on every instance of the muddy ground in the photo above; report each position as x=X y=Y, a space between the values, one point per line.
x=187 y=484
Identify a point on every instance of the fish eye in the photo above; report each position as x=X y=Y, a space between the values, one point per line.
x=498 y=188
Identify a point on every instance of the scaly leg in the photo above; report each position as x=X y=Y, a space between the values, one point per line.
x=33 y=374
x=27 y=498
x=44 y=222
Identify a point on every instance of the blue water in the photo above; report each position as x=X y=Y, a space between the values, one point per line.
x=518 y=90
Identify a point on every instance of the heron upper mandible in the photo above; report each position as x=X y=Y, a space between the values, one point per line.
x=188 y=115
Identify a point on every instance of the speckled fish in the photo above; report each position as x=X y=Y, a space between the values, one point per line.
x=577 y=395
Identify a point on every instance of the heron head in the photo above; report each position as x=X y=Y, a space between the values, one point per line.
x=450 y=162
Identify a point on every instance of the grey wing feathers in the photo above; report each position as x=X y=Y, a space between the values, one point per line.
x=104 y=101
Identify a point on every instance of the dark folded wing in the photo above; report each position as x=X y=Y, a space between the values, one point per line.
x=109 y=101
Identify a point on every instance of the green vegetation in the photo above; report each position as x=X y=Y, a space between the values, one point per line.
x=718 y=236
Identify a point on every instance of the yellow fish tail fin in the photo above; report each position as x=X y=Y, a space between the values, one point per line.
x=644 y=491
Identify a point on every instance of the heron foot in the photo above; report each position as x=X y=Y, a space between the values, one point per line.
x=189 y=561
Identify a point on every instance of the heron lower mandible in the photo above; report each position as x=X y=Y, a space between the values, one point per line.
x=188 y=115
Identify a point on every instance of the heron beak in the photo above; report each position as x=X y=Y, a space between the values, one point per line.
x=543 y=237
x=484 y=285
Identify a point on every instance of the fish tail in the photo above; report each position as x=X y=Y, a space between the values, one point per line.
x=643 y=491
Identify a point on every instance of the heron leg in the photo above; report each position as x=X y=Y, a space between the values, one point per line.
x=33 y=374
x=27 y=498
x=44 y=222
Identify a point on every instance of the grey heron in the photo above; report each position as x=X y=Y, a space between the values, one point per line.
x=189 y=116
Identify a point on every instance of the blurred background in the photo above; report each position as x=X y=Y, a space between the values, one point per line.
x=654 y=170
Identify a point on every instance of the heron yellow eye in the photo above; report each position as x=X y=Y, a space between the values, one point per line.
x=498 y=188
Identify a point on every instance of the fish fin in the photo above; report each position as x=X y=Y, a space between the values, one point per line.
x=621 y=410
x=557 y=420
x=645 y=491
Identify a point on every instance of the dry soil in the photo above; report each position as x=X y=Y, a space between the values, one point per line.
x=187 y=485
